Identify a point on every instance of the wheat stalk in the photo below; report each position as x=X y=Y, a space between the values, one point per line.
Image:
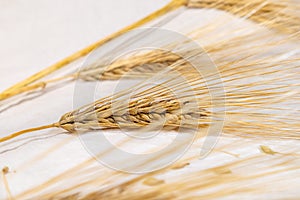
x=279 y=15
x=234 y=71
x=249 y=101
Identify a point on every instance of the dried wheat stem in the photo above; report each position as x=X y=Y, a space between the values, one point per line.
x=39 y=85
x=9 y=137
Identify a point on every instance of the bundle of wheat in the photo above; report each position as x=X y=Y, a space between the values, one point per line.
x=249 y=94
